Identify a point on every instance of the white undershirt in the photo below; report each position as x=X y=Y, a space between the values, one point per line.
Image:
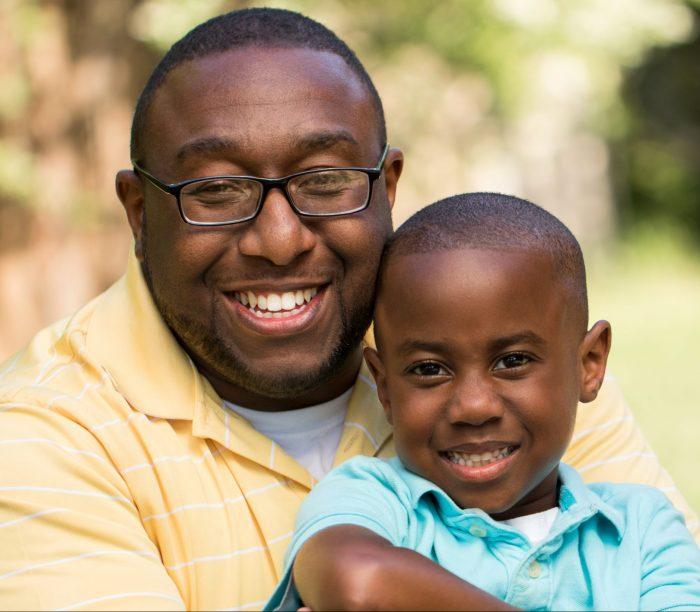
x=309 y=435
x=535 y=526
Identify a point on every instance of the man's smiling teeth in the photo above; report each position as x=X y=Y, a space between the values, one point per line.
x=478 y=459
x=276 y=305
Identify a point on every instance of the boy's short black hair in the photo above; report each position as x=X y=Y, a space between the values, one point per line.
x=255 y=27
x=497 y=222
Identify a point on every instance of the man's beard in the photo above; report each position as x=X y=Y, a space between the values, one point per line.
x=215 y=353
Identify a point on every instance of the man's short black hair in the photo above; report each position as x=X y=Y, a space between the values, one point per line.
x=254 y=27
x=492 y=221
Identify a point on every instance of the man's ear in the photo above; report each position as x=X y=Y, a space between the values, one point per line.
x=593 y=351
x=379 y=374
x=130 y=193
x=393 y=165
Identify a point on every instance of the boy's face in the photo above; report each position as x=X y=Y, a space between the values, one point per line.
x=483 y=360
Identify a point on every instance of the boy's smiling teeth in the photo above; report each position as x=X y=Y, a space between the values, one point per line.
x=270 y=304
x=478 y=459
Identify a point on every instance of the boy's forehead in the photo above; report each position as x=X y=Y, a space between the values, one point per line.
x=511 y=288
x=465 y=267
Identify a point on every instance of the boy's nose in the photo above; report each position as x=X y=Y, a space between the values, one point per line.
x=474 y=403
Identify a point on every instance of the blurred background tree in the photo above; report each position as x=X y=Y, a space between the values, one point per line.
x=590 y=108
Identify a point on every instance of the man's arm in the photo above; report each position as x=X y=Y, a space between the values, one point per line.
x=70 y=534
x=608 y=446
x=352 y=568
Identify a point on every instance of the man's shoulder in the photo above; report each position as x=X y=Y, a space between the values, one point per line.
x=57 y=345
x=55 y=372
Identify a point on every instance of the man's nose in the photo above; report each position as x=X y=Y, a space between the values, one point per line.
x=277 y=233
x=474 y=403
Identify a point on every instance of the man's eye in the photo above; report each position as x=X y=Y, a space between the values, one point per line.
x=216 y=187
x=428 y=369
x=514 y=360
x=324 y=182
x=218 y=190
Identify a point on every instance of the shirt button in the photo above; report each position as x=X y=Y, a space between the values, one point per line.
x=534 y=570
x=477 y=532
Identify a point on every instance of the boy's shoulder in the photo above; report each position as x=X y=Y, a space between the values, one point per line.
x=629 y=499
x=389 y=473
x=623 y=494
x=635 y=506
x=370 y=480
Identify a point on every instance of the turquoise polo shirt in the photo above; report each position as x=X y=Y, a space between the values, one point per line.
x=611 y=547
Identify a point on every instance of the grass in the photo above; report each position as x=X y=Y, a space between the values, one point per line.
x=648 y=287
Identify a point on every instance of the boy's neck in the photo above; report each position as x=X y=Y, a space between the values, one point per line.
x=542 y=497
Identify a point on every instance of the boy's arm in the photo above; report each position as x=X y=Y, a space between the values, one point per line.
x=608 y=446
x=347 y=567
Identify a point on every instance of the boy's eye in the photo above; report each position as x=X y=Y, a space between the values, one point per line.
x=427 y=369
x=514 y=360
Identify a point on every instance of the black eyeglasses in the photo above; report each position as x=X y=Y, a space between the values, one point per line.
x=225 y=200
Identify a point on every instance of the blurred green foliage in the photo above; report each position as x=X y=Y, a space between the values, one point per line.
x=659 y=155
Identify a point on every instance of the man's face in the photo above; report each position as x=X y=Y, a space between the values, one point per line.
x=266 y=113
x=480 y=370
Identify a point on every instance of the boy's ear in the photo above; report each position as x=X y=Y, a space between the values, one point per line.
x=593 y=351
x=378 y=373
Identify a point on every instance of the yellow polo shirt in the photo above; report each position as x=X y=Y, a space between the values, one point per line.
x=124 y=484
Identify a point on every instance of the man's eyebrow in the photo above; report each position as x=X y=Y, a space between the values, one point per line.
x=307 y=143
x=318 y=141
x=206 y=145
x=523 y=337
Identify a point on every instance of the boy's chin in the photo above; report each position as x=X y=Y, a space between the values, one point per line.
x=493 y=507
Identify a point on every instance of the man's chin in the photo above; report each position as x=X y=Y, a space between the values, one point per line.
x=284 y=385
x=227 y=369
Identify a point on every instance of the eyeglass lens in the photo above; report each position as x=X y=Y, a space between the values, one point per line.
x=324 y=192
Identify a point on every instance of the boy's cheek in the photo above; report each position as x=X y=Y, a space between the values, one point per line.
x=412 y=430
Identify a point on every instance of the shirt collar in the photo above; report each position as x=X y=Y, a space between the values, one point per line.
x=576 y=496
x=130 y=340
x=577 y=501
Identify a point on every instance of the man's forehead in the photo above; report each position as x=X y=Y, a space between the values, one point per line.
x=311 y=96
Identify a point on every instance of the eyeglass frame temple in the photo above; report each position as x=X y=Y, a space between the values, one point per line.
x=175 y=189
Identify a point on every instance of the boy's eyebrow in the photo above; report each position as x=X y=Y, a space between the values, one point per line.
x=523 y=337
x=499 y=344
x=420 y=345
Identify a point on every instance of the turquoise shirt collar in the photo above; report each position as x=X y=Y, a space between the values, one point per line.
x=577 y=503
